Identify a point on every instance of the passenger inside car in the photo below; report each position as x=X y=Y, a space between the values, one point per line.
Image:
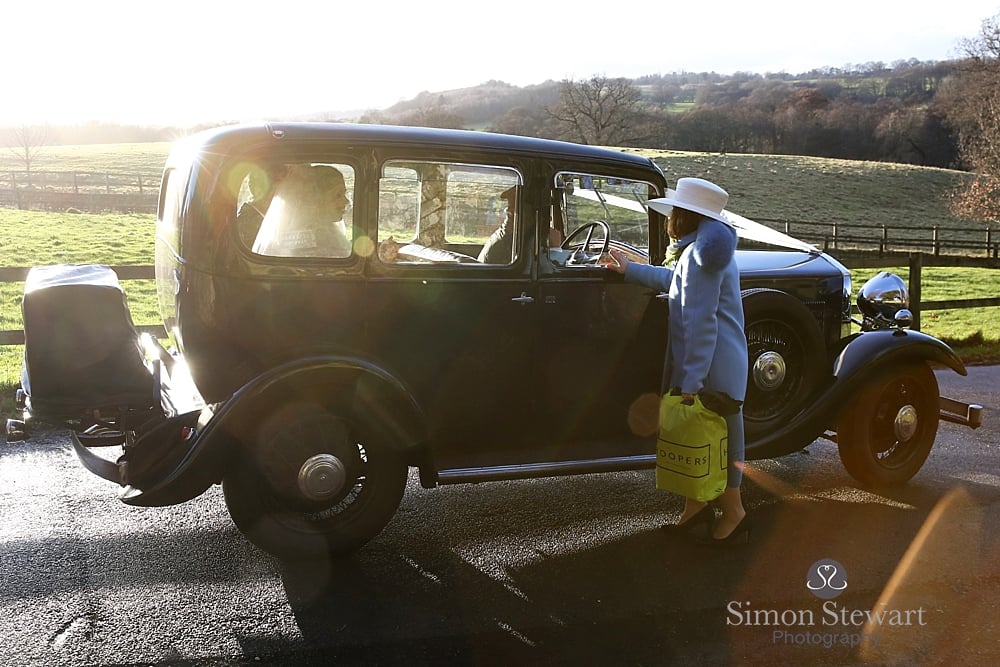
x=306 y=215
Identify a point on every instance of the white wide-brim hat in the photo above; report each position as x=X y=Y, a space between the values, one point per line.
x=694 y=194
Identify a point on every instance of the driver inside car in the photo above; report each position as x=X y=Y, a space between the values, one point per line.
x=499 y=247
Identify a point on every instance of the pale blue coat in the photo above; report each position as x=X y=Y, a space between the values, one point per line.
x=707 y=346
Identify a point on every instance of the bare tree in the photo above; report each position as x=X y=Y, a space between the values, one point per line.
x=25 y=141
x=972 y=105
x=599 y=111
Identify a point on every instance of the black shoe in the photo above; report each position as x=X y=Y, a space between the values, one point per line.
x=704 y=516
x=739 y=536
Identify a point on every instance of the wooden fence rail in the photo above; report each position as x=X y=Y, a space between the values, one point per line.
x=914 y=261
x=936 y=240
x=82 y=181
x=92 y=192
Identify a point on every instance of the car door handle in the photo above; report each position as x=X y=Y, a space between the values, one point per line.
x=524 y=298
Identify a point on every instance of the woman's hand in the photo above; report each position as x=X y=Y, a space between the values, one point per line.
x=619 y=261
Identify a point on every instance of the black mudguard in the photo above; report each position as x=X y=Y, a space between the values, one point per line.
x=862 y=356
x=204 y=458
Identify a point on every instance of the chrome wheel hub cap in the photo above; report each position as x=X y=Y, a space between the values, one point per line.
x=905 y=424
x=322 y=477
x=769 y=371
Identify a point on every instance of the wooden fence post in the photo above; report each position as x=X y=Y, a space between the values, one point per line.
x=916 y=265
x=935 y=243
x=17 y=191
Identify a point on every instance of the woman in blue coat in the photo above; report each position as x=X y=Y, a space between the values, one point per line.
x=707 y=346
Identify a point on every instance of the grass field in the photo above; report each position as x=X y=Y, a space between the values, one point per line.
x=792 y=187
x=762 y=186
x=144 y=158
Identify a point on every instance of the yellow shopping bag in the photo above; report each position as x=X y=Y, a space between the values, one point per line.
x=691 y=450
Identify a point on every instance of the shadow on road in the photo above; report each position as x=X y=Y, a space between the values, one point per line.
x=646 y=598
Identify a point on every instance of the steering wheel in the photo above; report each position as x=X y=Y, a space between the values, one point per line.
x=580 y=255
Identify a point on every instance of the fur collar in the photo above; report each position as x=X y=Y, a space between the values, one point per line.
x=714 y=245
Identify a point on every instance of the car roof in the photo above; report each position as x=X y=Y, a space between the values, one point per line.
x=218 y=139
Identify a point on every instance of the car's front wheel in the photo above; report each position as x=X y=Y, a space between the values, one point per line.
x=786 y=359
x=313 y=485
x=886 y=433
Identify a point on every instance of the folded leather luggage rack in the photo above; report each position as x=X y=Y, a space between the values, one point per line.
x=84 y=365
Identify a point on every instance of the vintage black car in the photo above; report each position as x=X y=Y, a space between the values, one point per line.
x=344 y=302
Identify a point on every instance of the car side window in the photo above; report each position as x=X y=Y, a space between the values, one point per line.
x=592 y=212
x=448 y=213
x=299 y=210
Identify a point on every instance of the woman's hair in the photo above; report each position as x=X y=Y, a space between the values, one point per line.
x=682 y=222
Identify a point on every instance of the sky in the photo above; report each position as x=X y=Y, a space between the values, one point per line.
x=186 y=62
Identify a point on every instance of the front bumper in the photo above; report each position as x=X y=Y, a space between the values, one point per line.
x=957 y=412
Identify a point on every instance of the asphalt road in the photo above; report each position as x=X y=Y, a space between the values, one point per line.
x=567 y=571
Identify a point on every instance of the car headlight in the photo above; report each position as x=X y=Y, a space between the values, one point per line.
x=884 y=301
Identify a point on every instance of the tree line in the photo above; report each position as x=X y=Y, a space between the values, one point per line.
x=938 y=114
x=894 y=113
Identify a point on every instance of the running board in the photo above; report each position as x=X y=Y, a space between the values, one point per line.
x=552 y=469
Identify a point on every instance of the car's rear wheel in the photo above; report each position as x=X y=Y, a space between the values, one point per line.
x=886 y=433
x=786 y=359
x=313 y=485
